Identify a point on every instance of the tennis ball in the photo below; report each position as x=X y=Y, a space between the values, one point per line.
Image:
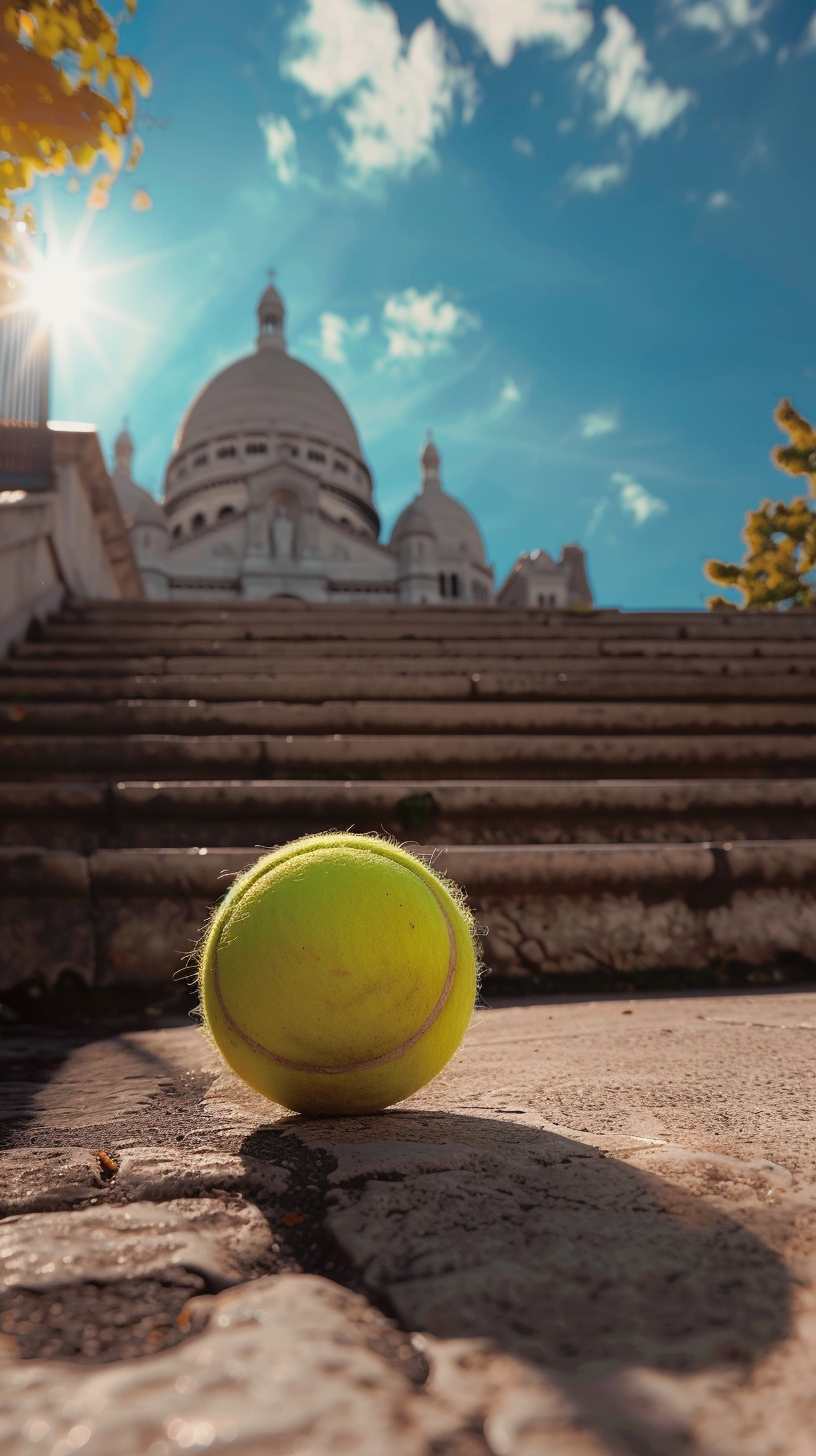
x=339 y=974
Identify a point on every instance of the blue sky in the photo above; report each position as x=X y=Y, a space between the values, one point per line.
x=577 y=243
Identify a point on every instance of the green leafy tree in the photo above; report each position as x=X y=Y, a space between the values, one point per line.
x=66 y=96
x=780 y=537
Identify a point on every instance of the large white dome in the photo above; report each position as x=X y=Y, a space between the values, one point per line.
x=269 y=391
x=269 y=407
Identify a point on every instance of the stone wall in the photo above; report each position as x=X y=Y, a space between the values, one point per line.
x=70 y=541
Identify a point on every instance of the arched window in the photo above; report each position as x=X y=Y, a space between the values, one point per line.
x=443 y=585
x=177 y=533
x=454 y=584
x=225 y=513
x=199 y=521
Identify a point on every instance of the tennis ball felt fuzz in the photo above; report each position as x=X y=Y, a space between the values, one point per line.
x=339 y=974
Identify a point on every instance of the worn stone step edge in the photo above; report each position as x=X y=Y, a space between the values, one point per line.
x=205 y=873
x=195 y=718
x=455 y=687
x=314 y=621
x=198 y=798
x=506 y=756
x=173 y=664
x=76 y=657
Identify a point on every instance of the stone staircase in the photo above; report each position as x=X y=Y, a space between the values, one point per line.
x=628 y=798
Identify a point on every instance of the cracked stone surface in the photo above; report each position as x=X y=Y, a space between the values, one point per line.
x=594 y=1234
x=143 y=1240
x=48 y=1179
x=165 y=1173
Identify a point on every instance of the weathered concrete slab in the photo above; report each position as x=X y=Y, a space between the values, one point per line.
x=289 y=1364
x=597 y=1227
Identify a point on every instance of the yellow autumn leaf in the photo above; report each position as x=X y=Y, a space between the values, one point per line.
x=141 y=201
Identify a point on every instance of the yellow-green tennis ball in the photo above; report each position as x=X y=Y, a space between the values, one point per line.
x=339 y=974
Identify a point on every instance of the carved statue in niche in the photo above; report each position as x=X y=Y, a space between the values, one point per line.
x=283 y=534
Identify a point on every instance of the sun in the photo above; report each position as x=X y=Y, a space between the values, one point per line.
x=59 y=288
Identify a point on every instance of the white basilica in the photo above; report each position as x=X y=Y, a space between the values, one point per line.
x=268 y=494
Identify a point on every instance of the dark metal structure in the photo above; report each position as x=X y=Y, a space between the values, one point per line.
x=25 y=456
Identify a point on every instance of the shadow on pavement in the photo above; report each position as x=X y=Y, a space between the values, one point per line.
x=555 y=1252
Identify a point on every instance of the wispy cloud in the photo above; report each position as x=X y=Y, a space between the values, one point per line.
x=335 y=334
x=596 y=179
x=281 y=147
x=419 y=325
x=726 y=19
x=619 y=77
x=503 y=26
x=636 y=500
x=397 y=96
x=808 y=41
x=523 y=146
x=598 y=422
x=597 y=516
x=509 y=394
x=719 y=201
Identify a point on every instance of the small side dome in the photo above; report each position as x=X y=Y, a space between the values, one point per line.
x=412 y=522
x=447 y=520
x=138 y=506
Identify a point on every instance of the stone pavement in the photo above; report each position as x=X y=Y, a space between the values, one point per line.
x=594 y=1233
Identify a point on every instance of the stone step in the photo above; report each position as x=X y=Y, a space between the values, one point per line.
x=453 y=686
x=134 y=917
x=19 y=674
x=155 y=636
x=98 y=656
x=167 y=814
x=192 y=716
x=360 y=619
x=51 y=757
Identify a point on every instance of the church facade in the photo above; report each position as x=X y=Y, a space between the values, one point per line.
x=268 y=494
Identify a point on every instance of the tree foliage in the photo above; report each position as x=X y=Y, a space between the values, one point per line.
x=66 y=96
x=780 y=536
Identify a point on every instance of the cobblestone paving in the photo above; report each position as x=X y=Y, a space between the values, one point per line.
x=595 y=1233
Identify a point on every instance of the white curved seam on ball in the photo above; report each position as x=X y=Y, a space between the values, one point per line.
x=373 y=1062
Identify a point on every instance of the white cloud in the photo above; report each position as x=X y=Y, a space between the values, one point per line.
x=523 y=146
x=808 y=41
x=509 y=392
x=717 y=201
x=620 y=78
x=726 y=18
x=335 y=334
x=503 y=26
x=418 y=325
x=636 y=500
x=398 y=95
x=597 y=515
x=281 y=146
x=597 y=179
x=598 y=422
